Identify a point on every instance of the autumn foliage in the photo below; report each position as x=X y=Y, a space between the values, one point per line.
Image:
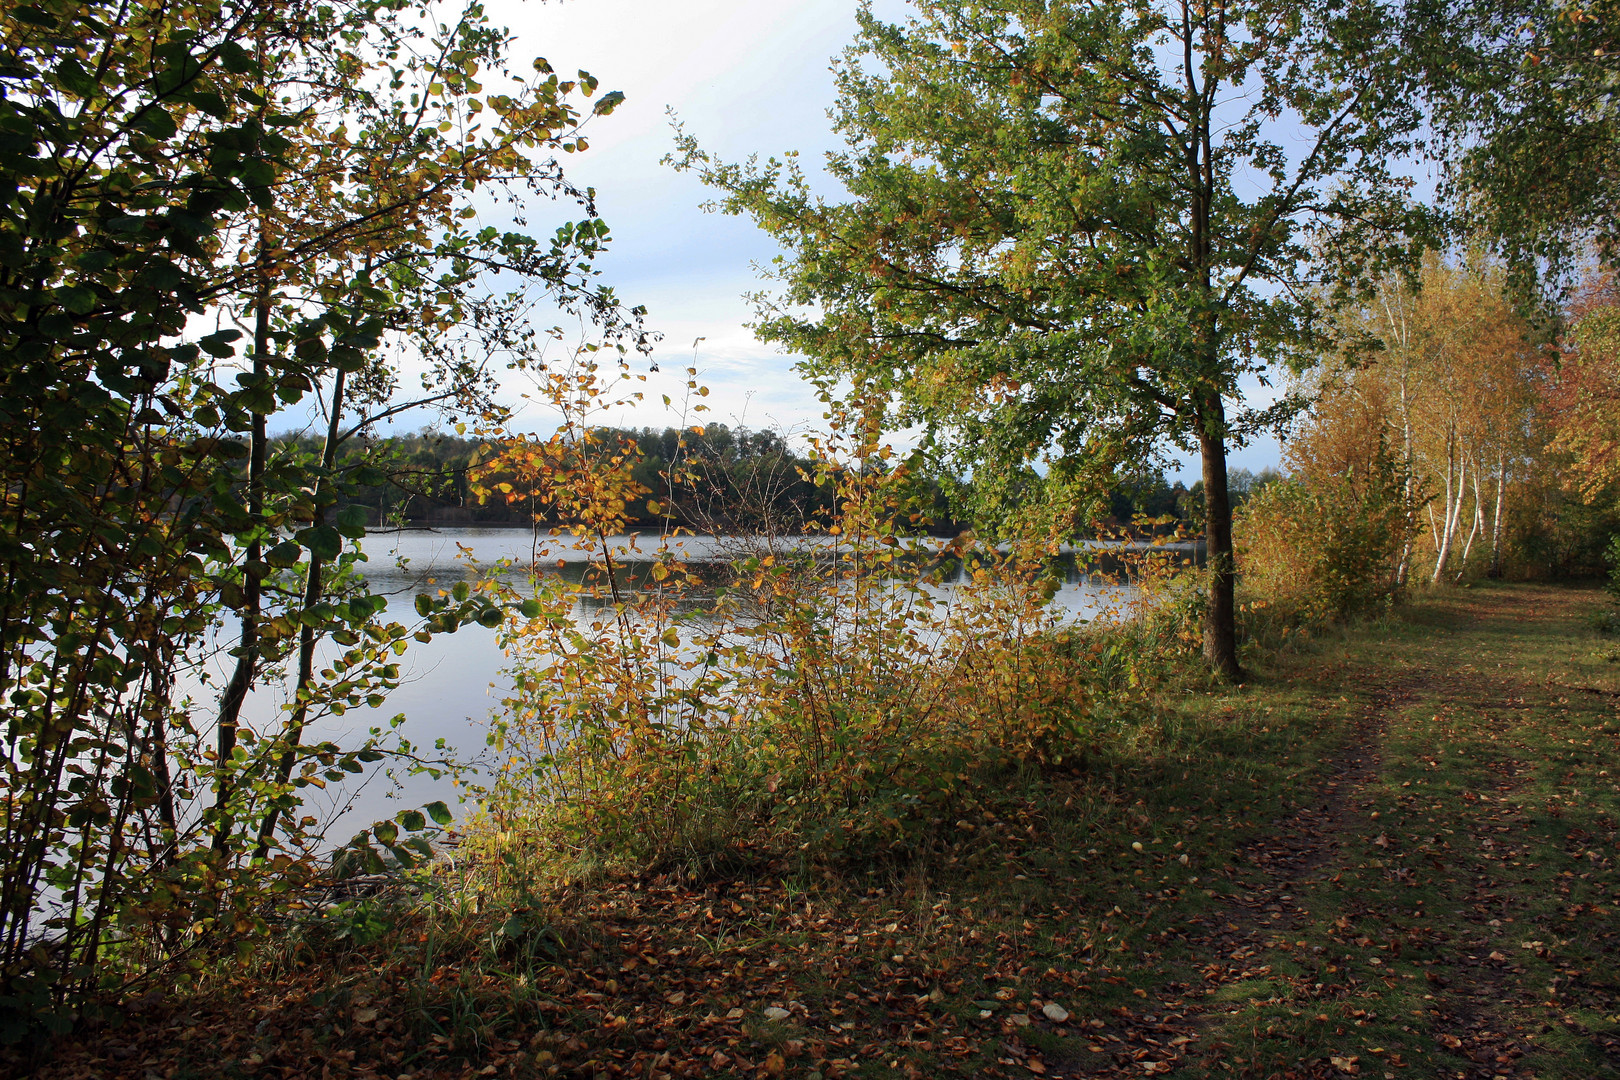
x=1451 y=437
x=819 y=692
x=1584 y=396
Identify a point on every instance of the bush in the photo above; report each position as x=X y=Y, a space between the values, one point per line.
x=826 y=697
x=1325 y=548
x=1612 y=557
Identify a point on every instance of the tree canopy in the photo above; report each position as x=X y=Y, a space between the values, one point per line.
x=1071 y=232
x=1523 y=97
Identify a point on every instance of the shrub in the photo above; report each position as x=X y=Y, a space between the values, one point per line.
x=1612 y=557
x=1325 y=547
x=826 y=696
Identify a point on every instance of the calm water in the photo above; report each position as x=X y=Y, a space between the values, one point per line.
x=452 y=683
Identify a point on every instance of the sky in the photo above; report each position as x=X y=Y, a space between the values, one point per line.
x=744 y=77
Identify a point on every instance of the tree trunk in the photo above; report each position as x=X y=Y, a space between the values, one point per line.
x=1220 y=619
x=1496 y=518
x=1404 y=568
x=1451 y=510
x=247 y=649
x=314 y=591
x=1474 y=529
x=1399 y=331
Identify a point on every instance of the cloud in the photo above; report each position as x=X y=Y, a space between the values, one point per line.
x=745 y=77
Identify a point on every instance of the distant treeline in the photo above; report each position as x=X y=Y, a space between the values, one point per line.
x=724 y=479
x=1176 y=505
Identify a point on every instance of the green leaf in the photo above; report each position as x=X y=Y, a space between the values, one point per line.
x=34 y=16
x=412 y=820
x=219 y=343
x=608 y=102
x=386 y=832
x=79 y=299
x=237 y=60
x=323 y=541
x=439 y=812
x=155 y=121
x=351 y=521
x=285 y=554
x=347 y=358
x=211 y=103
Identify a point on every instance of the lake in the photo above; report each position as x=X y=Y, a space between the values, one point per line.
x=451 y=684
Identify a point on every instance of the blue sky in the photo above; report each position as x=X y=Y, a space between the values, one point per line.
x=745 y=77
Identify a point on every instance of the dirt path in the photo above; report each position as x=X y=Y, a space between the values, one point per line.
x=1271 y=874
x=1417 y=914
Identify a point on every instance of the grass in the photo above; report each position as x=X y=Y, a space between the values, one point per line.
x=1461 y=921
x=1390 y=854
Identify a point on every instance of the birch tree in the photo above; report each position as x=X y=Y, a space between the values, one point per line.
x=1450 y=371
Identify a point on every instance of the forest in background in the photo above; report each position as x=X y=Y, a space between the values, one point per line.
x=739 y=480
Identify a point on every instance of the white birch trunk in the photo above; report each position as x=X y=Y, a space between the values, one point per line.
x=1496 y=518
x=1474 y=529
x=1401 y=333
x=1452 y=508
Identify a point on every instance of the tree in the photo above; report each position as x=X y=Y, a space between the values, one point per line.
x=1445 y=368
x=1584 y=396
x=1523 y=98
x=1073 y=227
x=175 y=179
